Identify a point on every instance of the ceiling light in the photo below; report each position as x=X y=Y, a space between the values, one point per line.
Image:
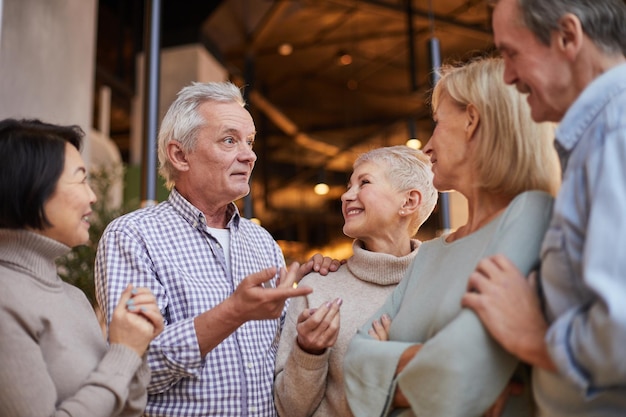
x=285 y=49
x=414 y=143
x=344 y=58
x=321 y=188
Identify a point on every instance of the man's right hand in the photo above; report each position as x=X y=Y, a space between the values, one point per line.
x=252 y=300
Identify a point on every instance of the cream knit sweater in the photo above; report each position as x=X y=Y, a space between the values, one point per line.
x=312 y=385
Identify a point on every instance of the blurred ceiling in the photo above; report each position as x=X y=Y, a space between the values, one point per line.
x=325 y=81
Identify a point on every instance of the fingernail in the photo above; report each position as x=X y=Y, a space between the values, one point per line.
x=312 y=311
x=134 y=291
x=339 y=301
x=328 y=304
x=130 y=302
x=131 y=308
x=143 y=309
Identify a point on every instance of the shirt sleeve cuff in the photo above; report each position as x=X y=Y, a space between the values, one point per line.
x=178 y=346
x=557 y=341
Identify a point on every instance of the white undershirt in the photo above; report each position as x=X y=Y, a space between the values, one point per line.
x=223 y=237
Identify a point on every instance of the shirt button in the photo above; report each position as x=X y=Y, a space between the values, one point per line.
x=250 y=365
x=253 y=409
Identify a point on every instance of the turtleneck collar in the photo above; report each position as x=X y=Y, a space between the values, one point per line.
x=32 y=254
x=379 y=268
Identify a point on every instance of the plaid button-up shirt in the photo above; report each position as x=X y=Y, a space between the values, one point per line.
x=169 y=249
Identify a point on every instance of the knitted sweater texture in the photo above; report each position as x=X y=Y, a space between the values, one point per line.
x=312 y=385
x=54 y=360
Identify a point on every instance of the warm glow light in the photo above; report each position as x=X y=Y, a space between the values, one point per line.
x=414 y=143
x=345 y=59
x=285 y=49
x=255 y=221
x=321 y=189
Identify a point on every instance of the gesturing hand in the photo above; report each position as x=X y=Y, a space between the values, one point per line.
x=318 y=328
x=255 y=299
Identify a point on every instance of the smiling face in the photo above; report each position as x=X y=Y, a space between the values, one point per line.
x=371 y=204
x=69 y=207
x=217 y=171
x=448 y=146
x=538 y=70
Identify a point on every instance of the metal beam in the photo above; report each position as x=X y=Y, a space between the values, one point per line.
x=419 y=13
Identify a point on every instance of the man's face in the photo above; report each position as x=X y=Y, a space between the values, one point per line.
x=538 y=70
x=222 y=161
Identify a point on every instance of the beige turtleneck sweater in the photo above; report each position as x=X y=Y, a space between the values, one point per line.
x=54 y=360
x=312 y=385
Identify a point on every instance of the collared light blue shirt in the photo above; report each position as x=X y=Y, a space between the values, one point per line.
x=169 y=249
x=583 y=271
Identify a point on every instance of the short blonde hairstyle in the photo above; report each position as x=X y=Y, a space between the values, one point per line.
x=514 y=153
x=406 y=169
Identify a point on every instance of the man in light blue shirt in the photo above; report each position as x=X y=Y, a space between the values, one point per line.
x=568 y=56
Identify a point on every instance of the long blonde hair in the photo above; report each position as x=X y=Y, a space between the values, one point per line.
x=514 y=153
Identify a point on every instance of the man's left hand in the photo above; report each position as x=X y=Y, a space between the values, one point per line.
x=319 y=263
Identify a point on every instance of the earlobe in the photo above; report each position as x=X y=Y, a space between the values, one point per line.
x=177 y=156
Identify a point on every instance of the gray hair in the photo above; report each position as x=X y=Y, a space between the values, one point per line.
x=604 y=21
x=406 y=169
x=183 y=120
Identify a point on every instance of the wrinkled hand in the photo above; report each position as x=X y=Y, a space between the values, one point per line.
x=513 y=388
x=136 y=319
x=256 y=299
x=509 y=307
x=380 y=328
x=318 y=328
x=319 y=263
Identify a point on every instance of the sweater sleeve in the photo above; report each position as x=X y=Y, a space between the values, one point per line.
x=29 y=390
x=137 y=394
x=462 y=370
x=300 y=380
x=370 y=388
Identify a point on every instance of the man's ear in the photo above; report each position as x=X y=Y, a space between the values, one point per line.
x=570 y=35
x=412 y=201
x=472 y=122
x=177 y=156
